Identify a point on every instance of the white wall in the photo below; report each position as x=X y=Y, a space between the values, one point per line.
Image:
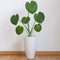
x=48 y=38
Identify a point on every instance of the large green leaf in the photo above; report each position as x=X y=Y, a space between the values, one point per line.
x=39 y=17
x=25 y=20
x=31 y=7
x=19 y=30
x=14 y=19
x=37 y=27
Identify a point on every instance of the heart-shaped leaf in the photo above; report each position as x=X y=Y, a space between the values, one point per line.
x=25 y=20
x=14 y=19
x=37 y=27
x=39 y=17
x=19 y=30
x=31 y=7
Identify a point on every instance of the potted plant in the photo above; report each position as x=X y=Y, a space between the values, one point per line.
x=30 y=42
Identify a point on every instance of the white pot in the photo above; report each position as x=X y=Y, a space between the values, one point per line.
x=30 y=47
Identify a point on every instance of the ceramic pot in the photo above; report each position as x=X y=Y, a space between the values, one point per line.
x=30 y=44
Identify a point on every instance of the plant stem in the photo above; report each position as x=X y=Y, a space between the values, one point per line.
x=32 y=28
x=28 y=27
x=28 y=22
x=29 y=32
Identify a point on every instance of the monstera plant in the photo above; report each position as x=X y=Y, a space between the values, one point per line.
x=39 y=17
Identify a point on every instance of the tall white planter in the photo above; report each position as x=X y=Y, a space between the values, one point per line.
x=30 y=47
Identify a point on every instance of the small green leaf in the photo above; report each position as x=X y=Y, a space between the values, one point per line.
x=39 y=17
x=37 y=27
x=19 y=30
x=14 y=19
x=31 y=7
x=25 y=20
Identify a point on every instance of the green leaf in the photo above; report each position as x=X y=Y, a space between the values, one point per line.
x=25 y=20
x=14 y=19
x=31 y=7
x=39 y=17
x=19 y=30
x=37 y=27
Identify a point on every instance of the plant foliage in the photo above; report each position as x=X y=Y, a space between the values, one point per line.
x=31 y=7
x=14 y=19
x=39 y=17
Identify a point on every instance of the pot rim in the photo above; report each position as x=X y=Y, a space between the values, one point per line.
x=30 y=36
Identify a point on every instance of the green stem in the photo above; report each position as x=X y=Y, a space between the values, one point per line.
x=30 y=33
x=25 y=27
x=28 y=27
x=27 y=30
x=28 y=22
x=32 y=28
